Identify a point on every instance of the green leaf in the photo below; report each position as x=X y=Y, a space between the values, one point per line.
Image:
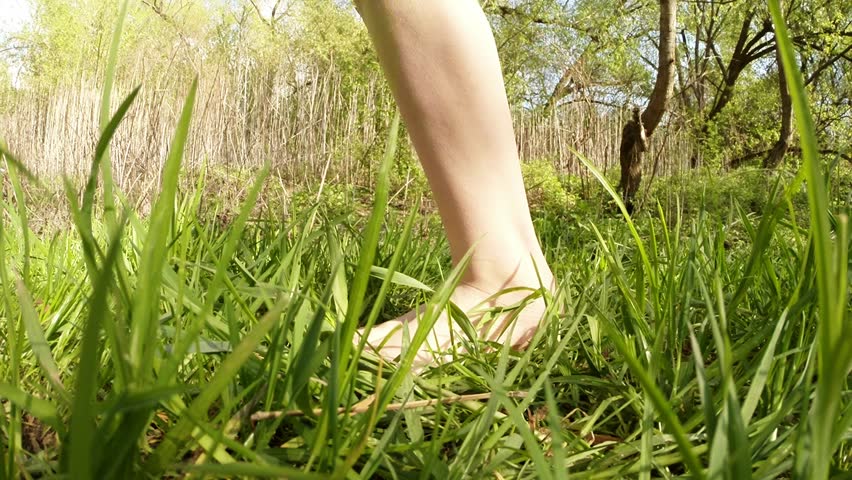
x=190 y=334
x=109 y=79
x=369 y=244
x=761 y=375
x=13 y=162
x=41 y=409
x=38 y=342
x=82 y=448
x=179 y=435
x=100 y=152
x=155 y=251
x=399 y=278
x=833 y=346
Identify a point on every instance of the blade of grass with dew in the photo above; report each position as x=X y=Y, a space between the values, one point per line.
x=833 y=346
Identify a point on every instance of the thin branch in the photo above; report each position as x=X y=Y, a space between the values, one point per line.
x=827 y=63
x=259 y=13
x=365 y=405
x=742 y=160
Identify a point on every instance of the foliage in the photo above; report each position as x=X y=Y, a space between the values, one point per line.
x=553 y=53
x=706 y=190
x=582 y=412
x=748 y=124
x=544 y=188
x=183 y=343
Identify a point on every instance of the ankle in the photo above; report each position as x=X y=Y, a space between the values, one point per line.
x=495 y=276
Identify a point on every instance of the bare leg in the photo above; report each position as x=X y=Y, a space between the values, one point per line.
x=441 y=61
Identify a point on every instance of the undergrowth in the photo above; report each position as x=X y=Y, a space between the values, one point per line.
x=186 y=344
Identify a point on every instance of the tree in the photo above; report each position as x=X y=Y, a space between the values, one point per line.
x=642 y=125
x=822 y=36
x=776 y=154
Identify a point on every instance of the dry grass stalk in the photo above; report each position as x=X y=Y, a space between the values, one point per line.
x=298 y=121
x=365 y=405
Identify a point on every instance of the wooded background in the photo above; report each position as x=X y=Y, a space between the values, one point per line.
x=296 y=83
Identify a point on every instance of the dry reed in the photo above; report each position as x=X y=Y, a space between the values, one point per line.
x=305 y=125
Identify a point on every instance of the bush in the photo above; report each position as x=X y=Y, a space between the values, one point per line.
x=545 y=191
x=714 y=193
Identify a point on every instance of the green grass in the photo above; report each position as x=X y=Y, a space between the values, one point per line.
x=180 y=344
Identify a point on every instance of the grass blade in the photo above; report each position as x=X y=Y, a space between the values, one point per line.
x=37 y=407
x=155 y=251
x=107 y=134
x=38 y=342
x=399 y=278
x=369 y=245
x=180 y=433
x=832 y=344
x=109 y=79
x=81 y=448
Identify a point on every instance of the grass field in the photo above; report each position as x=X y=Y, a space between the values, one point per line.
x=198 y=343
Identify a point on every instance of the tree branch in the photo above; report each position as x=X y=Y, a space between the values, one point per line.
x=740 y=161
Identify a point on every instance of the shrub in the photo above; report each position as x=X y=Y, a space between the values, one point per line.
x=544 y=188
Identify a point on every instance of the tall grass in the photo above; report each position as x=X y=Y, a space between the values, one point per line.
x=185 y=344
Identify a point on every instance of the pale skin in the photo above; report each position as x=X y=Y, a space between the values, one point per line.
x=441 y=62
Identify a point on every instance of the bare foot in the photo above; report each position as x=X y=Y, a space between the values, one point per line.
x=511 y=316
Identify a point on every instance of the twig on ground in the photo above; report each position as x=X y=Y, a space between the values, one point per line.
x=364 y=405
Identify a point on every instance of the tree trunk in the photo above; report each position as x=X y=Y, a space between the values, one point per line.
x=640 y=127
x=633 y=144
x=776 y=155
